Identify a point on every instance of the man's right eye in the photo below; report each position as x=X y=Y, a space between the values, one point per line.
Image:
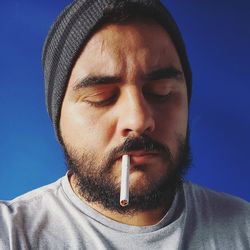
x=95 y=102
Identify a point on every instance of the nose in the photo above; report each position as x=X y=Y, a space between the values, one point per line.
x=136 y=115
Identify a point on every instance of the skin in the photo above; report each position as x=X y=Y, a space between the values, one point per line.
x=99 y=117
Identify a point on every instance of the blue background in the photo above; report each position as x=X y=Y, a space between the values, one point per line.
x=217 y=36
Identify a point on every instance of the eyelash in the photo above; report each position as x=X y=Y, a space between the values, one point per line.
x=103 y=103
x=112 y=99
x=158 y=98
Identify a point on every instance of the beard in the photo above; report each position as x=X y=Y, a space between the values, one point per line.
x=96 y=184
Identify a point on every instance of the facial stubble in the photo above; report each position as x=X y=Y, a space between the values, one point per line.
x=96 y=183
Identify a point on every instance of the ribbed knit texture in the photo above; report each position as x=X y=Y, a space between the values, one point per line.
x=70 y=32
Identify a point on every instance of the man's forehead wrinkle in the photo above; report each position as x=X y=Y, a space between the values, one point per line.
x=102 y=47
x=104 y=42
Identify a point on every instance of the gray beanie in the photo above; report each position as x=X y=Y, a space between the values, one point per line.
x=74 y=26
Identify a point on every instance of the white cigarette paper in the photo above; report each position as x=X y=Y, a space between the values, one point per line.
x=124 y=192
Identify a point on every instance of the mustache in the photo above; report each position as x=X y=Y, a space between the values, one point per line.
x=145 y=143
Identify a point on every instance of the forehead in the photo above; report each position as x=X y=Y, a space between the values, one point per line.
x=115 y=47
x=134 y=33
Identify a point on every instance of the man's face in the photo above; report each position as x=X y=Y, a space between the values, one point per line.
x=128 y=87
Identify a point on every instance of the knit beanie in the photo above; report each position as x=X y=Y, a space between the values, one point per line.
x=75 y=25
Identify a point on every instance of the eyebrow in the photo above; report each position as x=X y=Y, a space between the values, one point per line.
x=159 y=74
x=95 y=80
x=164 y=73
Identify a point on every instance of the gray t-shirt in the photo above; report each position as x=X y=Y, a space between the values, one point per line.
x=53 y=217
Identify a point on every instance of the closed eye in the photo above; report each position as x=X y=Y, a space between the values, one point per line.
x=154 y=97
x=101 y=102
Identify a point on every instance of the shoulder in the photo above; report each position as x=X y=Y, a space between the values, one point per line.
x=217 y=204
x=29 y=211
x=29 y=201
x=215 y=220
x=200 y=193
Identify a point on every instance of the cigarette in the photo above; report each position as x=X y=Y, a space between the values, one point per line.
x=124 y=192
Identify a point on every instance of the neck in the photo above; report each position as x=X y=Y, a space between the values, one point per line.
x=142 y=218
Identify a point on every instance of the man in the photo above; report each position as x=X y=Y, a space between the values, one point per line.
x=118 y=82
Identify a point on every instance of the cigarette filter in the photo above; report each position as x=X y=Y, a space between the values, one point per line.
x=124 y=192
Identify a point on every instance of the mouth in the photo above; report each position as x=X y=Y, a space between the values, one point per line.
x=140 y=157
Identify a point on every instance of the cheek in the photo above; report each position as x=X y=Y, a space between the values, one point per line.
x=172 y=119
x=80 y=126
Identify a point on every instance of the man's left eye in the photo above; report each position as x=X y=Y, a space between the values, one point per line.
x=158 y=97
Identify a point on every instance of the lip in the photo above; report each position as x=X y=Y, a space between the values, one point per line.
x=140 y=157
x=139 y=153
